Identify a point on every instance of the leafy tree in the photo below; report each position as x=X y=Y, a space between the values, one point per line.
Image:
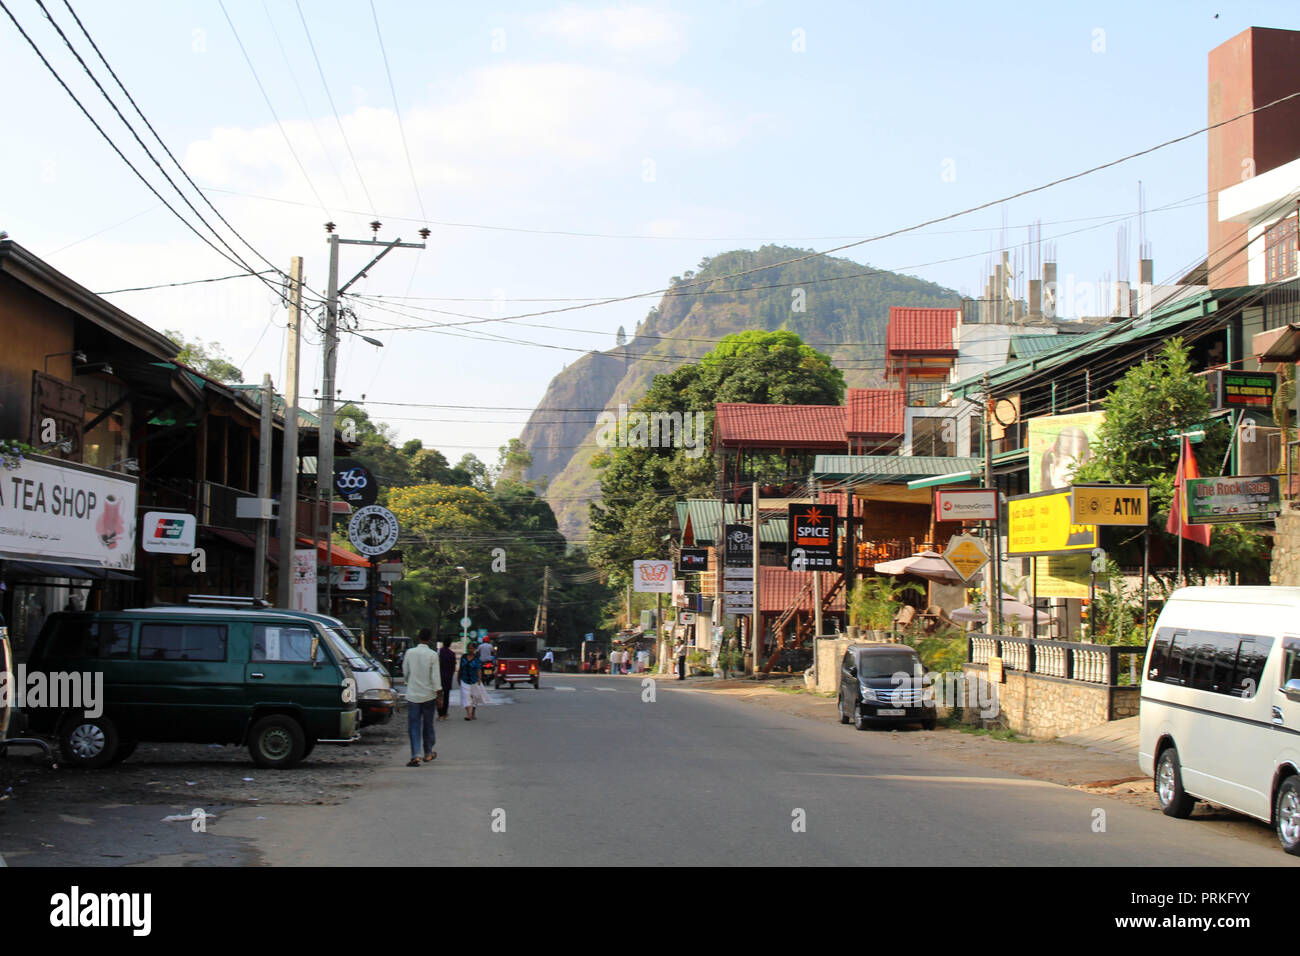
x=620 y=339
x=207 y=357
x=1146 y=410
x=640 y=484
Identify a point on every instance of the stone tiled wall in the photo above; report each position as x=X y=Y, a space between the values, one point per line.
x=1286 y=550
x=1047 y=707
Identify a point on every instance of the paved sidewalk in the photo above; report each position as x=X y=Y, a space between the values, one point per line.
x=1119 y=737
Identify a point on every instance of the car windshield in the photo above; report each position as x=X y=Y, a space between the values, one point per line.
x=887 y=664
x=340 y=645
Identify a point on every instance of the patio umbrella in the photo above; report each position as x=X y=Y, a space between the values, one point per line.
x=1010 y=608
x=925 y=564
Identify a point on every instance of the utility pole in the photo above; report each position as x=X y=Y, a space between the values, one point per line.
x=263 y=490
x=539 y=620
x=995 y=602
x=325 y=455
x=289 y=464
x=756 y=630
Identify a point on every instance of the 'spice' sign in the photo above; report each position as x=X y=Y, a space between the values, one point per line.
x=813 y=542
x=653 y=577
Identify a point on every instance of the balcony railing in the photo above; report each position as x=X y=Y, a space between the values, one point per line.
x=1089 y=663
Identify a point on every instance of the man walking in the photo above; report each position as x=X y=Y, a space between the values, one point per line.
x=681 y=660
x=423 y=696
x=447 y=671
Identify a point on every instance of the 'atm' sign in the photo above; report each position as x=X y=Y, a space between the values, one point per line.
x=166 y=532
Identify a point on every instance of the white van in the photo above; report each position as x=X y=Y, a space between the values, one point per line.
x=1220 y=709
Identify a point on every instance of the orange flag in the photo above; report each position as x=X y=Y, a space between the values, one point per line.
x=1178 y=512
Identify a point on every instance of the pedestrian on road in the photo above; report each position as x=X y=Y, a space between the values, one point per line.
x=447 y=671
x=471 y=684
x=681 y=660
x=548 y=660
x=423 y=696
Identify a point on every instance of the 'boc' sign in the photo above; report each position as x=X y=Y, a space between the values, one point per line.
x=655 y=577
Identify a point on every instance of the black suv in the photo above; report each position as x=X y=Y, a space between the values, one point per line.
x=883 y=682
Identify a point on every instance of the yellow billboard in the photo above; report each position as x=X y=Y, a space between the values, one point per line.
x=1063 y=576
x=1059 y=444
x=1043 y=523
x=1112 y=504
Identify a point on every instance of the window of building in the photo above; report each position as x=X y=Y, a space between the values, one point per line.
x=1280 y=250
x=934 y=436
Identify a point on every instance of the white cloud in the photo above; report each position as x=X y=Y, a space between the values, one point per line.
x=626 y=32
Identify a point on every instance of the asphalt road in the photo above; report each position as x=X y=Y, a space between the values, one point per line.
x=586 y=772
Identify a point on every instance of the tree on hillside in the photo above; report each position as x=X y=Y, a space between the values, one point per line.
x=207 y=357
x=639 y=484
x=1146 y=410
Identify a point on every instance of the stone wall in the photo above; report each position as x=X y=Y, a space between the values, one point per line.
x=1048 y=707
x=1286 y=549
x=830 y=651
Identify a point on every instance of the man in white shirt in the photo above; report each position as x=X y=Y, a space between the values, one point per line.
x=423 y=673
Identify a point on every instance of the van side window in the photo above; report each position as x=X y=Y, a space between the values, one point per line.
x=182 y=642
x=1212 y=661
x=84 y=638
x=1290 y=662
x=1251 y=658
x=281 y=643
x=1160 y=654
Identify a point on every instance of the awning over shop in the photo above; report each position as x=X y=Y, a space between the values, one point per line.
x=42 y=569
x=338 y=557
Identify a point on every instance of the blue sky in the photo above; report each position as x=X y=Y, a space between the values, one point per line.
x=687 y=129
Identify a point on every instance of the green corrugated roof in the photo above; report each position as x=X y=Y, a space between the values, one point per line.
x=1166 y=318
x=1023 y=346
x=889 y=469
x=704 y=514
x=278 y=405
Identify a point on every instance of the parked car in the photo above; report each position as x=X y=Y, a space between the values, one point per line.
x=269 y=679
x=1219 y=718
x=375 y=695
x=883 y=683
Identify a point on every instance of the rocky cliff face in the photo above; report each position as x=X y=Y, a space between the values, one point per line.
x=838 y=306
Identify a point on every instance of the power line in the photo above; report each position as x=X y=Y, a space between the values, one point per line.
x=302 y=169
x=334 y=109
x=397 y=111
x=172 y=285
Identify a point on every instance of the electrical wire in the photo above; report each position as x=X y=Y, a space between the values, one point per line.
x=397 y=112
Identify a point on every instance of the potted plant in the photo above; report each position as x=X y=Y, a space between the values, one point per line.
x=876 y=600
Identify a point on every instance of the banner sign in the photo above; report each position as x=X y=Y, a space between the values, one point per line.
x=965 y=504
x=966 y=555
x=354 y=483
x=812 y=537
x=694 y=559
x=1241 y=498
x=304 y=580
x=1042 y=524
x=1112 y=505
x=739 y=552
x=167 y=532
x=68 y=513
x=1063 y=576
x=350 y=578
x=652 y=577
x=1239 y=389
x=1058 y=444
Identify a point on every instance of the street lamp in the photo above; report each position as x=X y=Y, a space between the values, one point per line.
x=464 y=627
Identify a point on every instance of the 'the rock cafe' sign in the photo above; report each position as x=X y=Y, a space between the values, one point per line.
x=67 y=513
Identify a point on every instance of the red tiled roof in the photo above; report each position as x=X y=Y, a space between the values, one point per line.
x=780 y=426
x=921 y=330
x=778 y=589
x=875 y=411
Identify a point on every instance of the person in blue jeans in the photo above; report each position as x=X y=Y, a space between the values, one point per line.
x=420 y=667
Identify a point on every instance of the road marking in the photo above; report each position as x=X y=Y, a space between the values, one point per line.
x=916 y=778
x=608 y=690
x=564 y=688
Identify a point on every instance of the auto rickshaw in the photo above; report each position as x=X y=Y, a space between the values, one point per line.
x=517 y=658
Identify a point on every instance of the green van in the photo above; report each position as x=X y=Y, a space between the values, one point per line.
x=260 y=677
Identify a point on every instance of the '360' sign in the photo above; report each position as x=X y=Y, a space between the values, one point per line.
x=354 y=483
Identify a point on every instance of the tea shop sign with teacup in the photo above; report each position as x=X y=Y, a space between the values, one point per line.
x=67 y=513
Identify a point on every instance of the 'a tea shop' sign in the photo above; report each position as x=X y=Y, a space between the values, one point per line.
x=67 y=513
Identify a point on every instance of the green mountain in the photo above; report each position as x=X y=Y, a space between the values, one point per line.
x=839 y=306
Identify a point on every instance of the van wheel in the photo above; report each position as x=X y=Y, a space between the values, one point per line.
x=1287 y=814
x=839 y=705
x=307 y=747
x=276 y=741
x=1174 y=801
x=88 y=742
x=859 y=720
x=124 y=750
x=929 y=724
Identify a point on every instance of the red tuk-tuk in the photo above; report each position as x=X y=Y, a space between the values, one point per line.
x=517 y=658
